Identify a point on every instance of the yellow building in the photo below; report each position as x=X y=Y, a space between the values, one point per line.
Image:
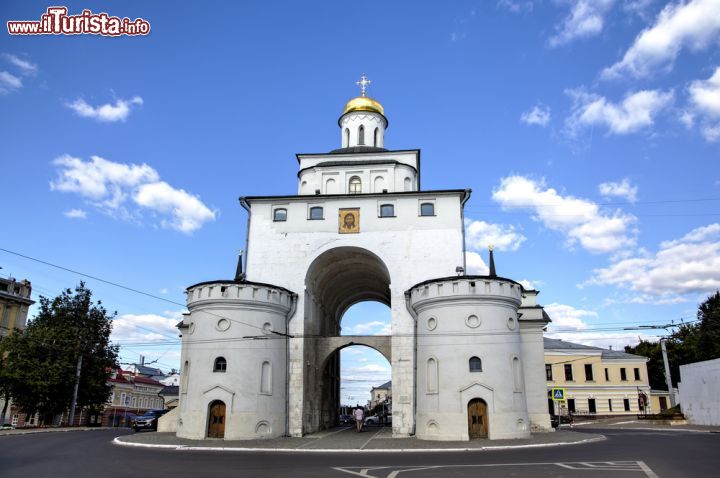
x=598 y=381
x=14 y=304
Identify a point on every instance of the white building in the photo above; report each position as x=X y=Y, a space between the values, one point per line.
x=700 y=392
x=260 y=354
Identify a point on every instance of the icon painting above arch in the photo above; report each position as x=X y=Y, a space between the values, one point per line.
x=349 y=221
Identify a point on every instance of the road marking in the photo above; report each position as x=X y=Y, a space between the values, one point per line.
x=370 y=439
x=394 y=471
x=647 y=470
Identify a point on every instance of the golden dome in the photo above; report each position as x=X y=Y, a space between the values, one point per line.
x=363 y=103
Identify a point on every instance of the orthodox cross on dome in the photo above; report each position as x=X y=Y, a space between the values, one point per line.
x=363 y=83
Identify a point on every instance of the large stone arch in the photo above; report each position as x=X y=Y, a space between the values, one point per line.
x=337 y=279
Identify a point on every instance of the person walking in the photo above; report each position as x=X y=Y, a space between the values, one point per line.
x=359 y=417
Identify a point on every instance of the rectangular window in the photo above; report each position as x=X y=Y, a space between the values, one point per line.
x=610 y=404
x=387 y=210
x=607 y=375
x=427 y=208
x=626 y=404
x=623 y=374
x=571 y=405
x=315 y=213
x=568 y=372
x=588 y=372
x=548 y=372
x=663 y=403
x=637 y=373
x=280 y=214
x=591 y=405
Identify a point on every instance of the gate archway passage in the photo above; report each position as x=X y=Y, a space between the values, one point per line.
x=336 y=280
x=477 y=418
x=216 y=420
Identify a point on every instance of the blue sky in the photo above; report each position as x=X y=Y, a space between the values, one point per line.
x=589 y=132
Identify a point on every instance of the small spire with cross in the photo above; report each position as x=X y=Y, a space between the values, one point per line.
x=363 y=83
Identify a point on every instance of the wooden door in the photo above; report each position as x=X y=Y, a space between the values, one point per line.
x=216 y=420
x=477 y=419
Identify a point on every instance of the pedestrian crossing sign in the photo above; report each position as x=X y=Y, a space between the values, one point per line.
x=558 y=394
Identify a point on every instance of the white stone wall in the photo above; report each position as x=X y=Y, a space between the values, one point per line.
x=700 y=392
x=398 y=174
x=234 y=321
x=412 y=249
x=456 y=320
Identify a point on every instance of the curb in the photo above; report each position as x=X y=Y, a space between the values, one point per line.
x=118 y=441
x=51 y=430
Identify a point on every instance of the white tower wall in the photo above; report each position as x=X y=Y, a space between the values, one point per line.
x=234 y=321
x=350 y=124
x=458 y=319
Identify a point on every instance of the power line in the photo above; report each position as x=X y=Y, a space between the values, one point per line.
x=115 y=284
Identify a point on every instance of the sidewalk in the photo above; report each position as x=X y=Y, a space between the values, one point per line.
x=633 y=423
x=28 y=431
x=346 y=439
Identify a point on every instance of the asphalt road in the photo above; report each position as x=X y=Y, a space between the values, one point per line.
x=626 y=453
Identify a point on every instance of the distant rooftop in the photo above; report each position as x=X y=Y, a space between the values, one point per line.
x=557 y=344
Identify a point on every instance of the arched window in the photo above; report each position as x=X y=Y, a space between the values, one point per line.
x=387 y=210
x=330 y=186
x=427 y=209
x=379 y=184
x=220 y=365
x=475 y=364
x=408 y=184
x=376 y=137
x=517 y=374
x=266 y=378
x=355 y=186
x=316 y=212
x=361 y=135
x=347 y=138
x=280 y=215
x=432 y=376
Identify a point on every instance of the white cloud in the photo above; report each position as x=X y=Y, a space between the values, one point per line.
x=475 y=264
x=530 y=284
x=694 y=25
x=538 y=115
x=106 y=113
x=26 y=68
x=566 y=317
x=586 y=19
x=690 y=264
x=616 y=340
x=9 y=83
x=145 y=327
x=75 y=214
x=187 y=212
x=623 y=189
x=516 y=6
x=581 y=220
x=375 y=327
x=125 y=190
x=705 y=103
x=636 y=111
x=480 y=234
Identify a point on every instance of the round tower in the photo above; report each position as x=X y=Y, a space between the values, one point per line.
x=234 y=355
x=363 y=122
x=470 y=380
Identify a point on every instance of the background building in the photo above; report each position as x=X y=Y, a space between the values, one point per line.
x=381 y=393
x=598 y=381
x=14 y=304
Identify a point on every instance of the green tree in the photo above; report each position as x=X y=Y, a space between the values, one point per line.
x=41 y=360
x=708 y=341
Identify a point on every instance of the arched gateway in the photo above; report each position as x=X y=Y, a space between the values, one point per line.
x=313 y=255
